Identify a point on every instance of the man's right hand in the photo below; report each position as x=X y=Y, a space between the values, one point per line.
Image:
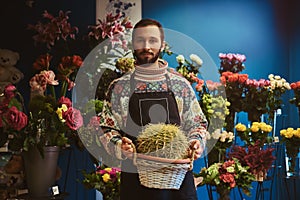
x=127 y=147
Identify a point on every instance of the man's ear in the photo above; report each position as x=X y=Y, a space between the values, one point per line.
x=163 y=45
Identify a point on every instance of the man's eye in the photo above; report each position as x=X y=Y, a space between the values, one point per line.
x=152 y=41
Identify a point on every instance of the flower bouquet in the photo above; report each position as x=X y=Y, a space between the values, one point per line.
x=291 y=138
x=256 y=95
x=257 y=131
x=234 y=84
x=296 y=99
x=231 y=62
x=104 y=179
x=221 y=141
x=278 y=86
x=258 y=160
x=188 y=68
x=227 y=175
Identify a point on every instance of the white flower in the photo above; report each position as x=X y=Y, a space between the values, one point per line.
x=271 y=76
x=216 y=134
x=180 y=58
x=287 y=86
x=277 y=77
x=196 y=59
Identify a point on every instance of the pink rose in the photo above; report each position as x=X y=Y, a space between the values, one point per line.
x=73 y=118
x=15 y=118
x=9 y=91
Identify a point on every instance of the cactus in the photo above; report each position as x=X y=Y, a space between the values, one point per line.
x=163 y=140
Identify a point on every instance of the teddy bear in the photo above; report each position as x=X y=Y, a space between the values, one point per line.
x=9 y=74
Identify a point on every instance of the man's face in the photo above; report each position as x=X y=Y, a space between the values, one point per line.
x=147 y=44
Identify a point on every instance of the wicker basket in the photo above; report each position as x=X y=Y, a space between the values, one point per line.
x=162 y=173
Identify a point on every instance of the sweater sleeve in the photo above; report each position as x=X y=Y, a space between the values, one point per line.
x=194 y=122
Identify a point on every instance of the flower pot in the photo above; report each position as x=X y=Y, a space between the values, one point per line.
x=40 y=172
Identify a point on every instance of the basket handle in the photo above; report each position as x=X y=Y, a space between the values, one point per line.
x=135 y=155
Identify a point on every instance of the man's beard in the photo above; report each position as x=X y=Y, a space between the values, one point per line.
x=140 y=60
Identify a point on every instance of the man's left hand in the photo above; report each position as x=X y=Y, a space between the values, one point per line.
x=195 y=146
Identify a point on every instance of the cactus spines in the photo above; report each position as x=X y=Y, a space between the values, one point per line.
x=163 y=140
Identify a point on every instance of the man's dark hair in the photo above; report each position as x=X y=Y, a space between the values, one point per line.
x=149 y=22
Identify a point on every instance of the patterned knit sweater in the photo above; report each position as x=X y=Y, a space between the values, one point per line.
x=193 y=121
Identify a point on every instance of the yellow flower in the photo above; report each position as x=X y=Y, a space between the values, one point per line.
x=60 y=110
x=297 y=133
x=108 y=169
x=266 y=128
x=255 y=123
x=106 y=177
x=289 y=134
x=254 y=128
x=283 y=132
x=240 y=127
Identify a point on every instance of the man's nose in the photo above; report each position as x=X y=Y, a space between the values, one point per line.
x=146 y=45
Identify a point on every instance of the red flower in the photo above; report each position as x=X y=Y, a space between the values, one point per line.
x=16 y=119
x=73 y=118
x=65 y=100
x=228 y=178
x=42 y=62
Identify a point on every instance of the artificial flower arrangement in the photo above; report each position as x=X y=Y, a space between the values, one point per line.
x=291 y=138
x=50 y=121
x=257 y=131
x=226 y=176
x=51 y=118
x=258 y=159
x=106 y=180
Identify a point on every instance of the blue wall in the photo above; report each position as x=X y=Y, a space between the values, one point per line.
x=263 y=30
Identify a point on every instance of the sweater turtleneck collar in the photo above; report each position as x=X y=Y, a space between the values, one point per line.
x=145 y=74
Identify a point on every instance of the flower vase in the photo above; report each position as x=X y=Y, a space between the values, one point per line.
x=224 y=194
x=40 y=172
x=292 y=165
x=260 y=176
x=292 y=154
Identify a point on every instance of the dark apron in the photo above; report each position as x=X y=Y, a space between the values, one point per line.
x=145 y=108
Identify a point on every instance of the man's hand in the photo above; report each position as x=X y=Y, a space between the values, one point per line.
x=127 y=147
x=196 y=146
